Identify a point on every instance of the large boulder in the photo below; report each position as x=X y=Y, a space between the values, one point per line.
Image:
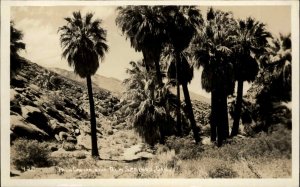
x=28 y=109
x=15 y=107
x=39 y=120
x=22 y=129
x=18 y=81
x=55 y=114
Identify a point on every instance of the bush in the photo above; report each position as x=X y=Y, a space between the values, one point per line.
x=27 y=153
x=222 y=172
x=185 y=148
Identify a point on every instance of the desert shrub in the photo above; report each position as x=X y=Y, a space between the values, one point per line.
x=276 y=144
x=160 y=148
x=185 y=148
x=222 y=171
x=27 y=153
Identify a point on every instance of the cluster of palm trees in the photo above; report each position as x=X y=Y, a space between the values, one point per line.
x=228 y=50
x=174 y=40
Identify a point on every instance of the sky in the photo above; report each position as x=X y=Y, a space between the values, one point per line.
x=40 y=25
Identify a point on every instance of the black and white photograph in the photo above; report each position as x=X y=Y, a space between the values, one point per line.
x=176 y=94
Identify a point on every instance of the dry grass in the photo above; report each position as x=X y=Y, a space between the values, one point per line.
x=264 y=156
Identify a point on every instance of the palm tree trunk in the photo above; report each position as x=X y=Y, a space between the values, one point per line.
x=238 y=109
x=178 y=122
x=158 y=73
x=226 y=123
x=190 y=112
x=146 y=61
x=95 y=152
x=220 y=114
x=213 y=116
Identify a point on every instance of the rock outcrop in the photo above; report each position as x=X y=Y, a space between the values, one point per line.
x=47 y=106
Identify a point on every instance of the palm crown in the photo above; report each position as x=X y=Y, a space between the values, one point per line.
x=212 y=49
x=143 y=26
x=250 y=42
x=83 y=42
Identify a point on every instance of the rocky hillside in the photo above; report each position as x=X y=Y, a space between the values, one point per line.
x=111 y=84
x=115 y=86
x=47 y=106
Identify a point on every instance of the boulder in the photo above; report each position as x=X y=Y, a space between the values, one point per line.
x=55 y=114
x=69 y=103
x=84 y=141
x=57 y=137
x=110 y=132
x=63 y=135
x=28 y=131
x=15 y=107
x=28 y=109
x=56 y=129
x=18 y=81
x=59 y=105
x=39 y=120
x=71 y=139
x=76 y=132
x=13 y=94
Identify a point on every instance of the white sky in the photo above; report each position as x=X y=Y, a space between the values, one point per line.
x=40 y=25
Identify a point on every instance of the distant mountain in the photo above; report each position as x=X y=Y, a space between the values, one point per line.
x=111 y=84
x=193 y=96
x=114 y=85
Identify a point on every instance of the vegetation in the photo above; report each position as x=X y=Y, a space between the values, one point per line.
x=143 y=25
x=16 y=45
x=173 y=41
x=29 y=153
x=212 y=51
x=228 y=50
x=250 y=42
x=84 y=41
x=151 y=104
x=272 y=87
x=181 y=25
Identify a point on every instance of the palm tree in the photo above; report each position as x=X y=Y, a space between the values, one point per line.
x=150 y=110
x=281 y=60
x=143 y=26
x=212 y=51
x=250 y=42
x=181 y=25
x=16 y=45
x=270 y=94
x=83 y=41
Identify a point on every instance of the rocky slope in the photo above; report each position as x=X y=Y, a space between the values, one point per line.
x=115 y=86
x=111 y=84
x=48 y=106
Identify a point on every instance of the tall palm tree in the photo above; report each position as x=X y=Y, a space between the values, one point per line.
x=143 y=26
x=181 y=25
x=16 y=45
x=83 y=42
x=250 y=42
x=212 y=51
